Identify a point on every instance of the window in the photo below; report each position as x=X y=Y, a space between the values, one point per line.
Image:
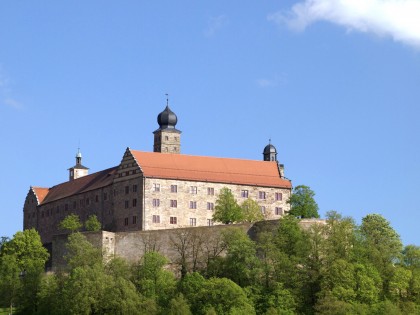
x=156 y=202
x=174 y=203
x=127 y=190
x=210 y=191
x=126 y=221
x=174 y=188
x=193 y=222
x=135 y=219
x=279 y=196
x=244 y=193
x=96 y=198
x=74 y=204
x=210 y=206
x=105 y=196
x=209 y=222
x=193 y=190
x=134 y=188
x=58 y=209
x=156 y=218
x=261 y=195
x=262 y=209
x=156 y=187
x=193 y=204
x=66 y=207
x=172 y=220
x=126 y=204
x=279 y=211
x=87 y=201
x=134 y=202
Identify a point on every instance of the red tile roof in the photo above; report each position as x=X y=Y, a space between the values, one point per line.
x=80 y=185
x=210 y=169
x=40 y=193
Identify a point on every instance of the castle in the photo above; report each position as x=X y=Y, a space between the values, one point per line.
x=157 y=190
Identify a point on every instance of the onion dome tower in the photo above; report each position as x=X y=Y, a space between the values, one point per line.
x=167 y=139
x=78 y=170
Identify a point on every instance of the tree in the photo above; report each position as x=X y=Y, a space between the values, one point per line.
x=227 y=209
x=251 y=211
x=92 y=224
x=226 y=297
x=240 y=264
x=381 y=246
x=179 y=306
x=152 y=280
x=302 y=203
x=80 y=252
x=71 y=223
x=22 y=262
x=411 y=256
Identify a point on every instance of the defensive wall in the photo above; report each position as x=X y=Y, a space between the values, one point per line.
x=193 y=246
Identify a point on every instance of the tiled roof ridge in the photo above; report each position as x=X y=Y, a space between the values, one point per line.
x=210 y=172
x=84 y=177
x=203 y=156
x=80 y=185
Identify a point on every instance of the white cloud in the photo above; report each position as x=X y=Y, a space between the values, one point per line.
x=266 y=83
x=5 y=92
x=399 y=19
x=215 y=24
x=13 y=103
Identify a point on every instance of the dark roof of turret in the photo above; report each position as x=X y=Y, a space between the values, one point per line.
x=269 y=148
x=167 y=119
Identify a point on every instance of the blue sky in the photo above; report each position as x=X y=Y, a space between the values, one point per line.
x=334 y=84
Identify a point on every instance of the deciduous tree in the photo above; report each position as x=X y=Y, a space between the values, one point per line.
x=227 y=209
x=302 y=203
x=71 y=223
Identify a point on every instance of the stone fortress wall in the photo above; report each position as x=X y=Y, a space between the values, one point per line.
x=198 y=243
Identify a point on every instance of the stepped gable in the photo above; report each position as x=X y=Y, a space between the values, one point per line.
x=210 y=169
x=40 y=193
x=80 y=185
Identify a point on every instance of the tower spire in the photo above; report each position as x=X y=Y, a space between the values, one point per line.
x=78 y=170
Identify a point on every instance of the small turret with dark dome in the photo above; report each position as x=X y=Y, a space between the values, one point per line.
x=167 y=137
x=270 y=152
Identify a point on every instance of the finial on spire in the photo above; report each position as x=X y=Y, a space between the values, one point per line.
x=269 y=141
x=167 y=99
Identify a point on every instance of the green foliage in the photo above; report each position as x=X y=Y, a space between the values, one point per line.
x=411 y=256
x=92 y=224
x=81 y=253
x=227 y=209
x=302 y=203
x=225 y=297
x=153 y=281
x=22 y=261
x=240 y=264
x=251 y=211
x=331 y=268
x=179 y=306
x=71 y=223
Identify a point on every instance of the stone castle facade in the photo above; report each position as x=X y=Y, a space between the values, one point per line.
x=157 y=190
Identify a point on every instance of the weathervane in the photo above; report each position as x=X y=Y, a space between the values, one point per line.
x=167 y=99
